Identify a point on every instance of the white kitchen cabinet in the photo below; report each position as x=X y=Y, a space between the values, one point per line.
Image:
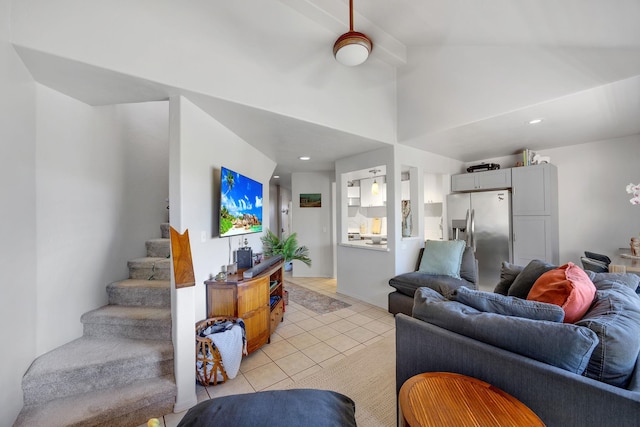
x=433 y=188
x=487 y=180
x=353 y=192
x=535 y=214
x=535 y=237
x=535 y=189
x=353 y=196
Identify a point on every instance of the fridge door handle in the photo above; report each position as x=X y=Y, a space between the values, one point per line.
x=467 y=228
x=473 y=229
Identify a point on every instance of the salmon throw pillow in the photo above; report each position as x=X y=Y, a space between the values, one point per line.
x=567 y=286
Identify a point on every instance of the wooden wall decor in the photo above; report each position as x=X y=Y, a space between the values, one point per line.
x=182 y=262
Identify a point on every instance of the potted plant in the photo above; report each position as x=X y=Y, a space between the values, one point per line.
x=288 y=248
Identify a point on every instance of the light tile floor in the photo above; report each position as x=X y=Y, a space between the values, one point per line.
x=303 y=344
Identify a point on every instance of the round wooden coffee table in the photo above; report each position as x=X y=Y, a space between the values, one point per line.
x=447 y=399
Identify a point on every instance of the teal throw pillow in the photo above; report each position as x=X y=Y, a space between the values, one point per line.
x=442 y=257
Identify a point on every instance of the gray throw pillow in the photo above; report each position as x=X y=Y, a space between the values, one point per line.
x=563 y=345
x=509 y=306
x=525 y=280
x=508 y=274
x=468 y=270
x=615 y=318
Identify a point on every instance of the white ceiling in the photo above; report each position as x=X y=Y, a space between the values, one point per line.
x=587 y=90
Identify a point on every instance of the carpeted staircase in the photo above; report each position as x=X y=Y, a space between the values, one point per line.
x=120 y=372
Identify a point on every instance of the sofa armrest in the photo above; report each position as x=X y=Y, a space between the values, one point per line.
x=558 y=397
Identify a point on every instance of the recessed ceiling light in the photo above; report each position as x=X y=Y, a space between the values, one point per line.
x=535 y=121
x=276 y=176
x=304 y=158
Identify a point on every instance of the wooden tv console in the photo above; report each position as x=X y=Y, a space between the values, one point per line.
x=250 y=299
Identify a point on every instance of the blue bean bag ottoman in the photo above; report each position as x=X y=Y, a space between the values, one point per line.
x=282 y=408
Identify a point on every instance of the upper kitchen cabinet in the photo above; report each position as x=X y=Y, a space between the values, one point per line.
x=433 y=188
x=534 y=203
x=487 y=180
x=535 y=190
x=373 y=194
x=353 y=195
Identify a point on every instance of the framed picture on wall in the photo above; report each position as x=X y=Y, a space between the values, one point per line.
x=310 y=200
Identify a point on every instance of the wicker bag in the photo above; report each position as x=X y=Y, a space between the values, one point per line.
x=209 y=366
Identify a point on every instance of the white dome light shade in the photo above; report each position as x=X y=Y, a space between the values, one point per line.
x=352 y=48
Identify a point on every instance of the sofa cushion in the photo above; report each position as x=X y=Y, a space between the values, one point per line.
x=468 y=267
x=615 y=318
x=525 y=280
x=508 y=274
x=442 y=257
x=408 y=283
x=564 y=345
x=630 y=280
x=567 y=286
x=490 y=302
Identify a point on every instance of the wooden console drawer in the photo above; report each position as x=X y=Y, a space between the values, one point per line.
x=276 y=315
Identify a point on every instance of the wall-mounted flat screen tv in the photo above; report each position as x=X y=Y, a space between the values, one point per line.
x=240 y=204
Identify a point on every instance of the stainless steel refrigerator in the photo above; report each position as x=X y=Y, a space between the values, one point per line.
x=483 y=220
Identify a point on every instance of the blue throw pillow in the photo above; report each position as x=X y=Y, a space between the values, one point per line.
x=442 y=257
x=628 y=279
x=509 y=306
x=615 y=318
x=563 y=345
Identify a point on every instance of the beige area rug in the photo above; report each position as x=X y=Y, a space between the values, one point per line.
x=368 y=377
x=314 y=301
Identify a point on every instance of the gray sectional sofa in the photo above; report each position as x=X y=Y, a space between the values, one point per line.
x=401 y=300
x=533 y=361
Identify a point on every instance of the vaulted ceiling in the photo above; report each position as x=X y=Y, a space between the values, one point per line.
x=468 y=76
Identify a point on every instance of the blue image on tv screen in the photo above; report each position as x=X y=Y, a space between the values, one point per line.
x=240 y=204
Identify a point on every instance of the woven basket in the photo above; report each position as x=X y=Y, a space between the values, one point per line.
x=208 y=354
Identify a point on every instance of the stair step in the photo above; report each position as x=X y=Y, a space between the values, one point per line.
x=144 y=323
x=89 y=364
x=138 y=292
x=159 y=248
x=150 y=268
x=130 y=405
x=164 y=229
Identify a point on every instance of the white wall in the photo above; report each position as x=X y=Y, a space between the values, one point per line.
x=364 y=273
x=17 y=222
x=102 y=182
x=199 y=147
x=594 y=209
x=313 y=225
x=285 y=218
x=407 y=249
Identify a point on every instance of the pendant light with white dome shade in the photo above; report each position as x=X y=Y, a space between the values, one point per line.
x=352 y=48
